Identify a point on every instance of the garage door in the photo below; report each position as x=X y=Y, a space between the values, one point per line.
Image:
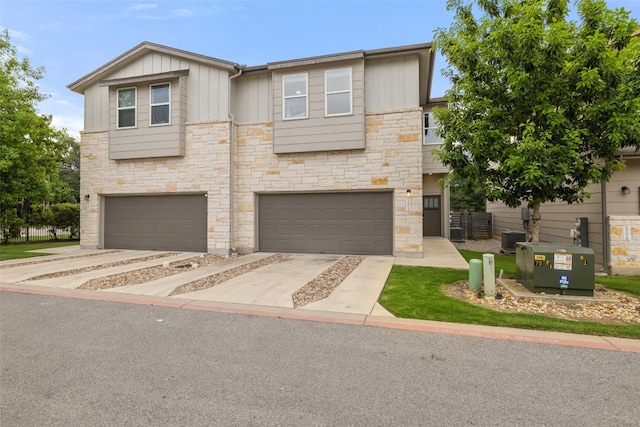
x=167 y=223
x=340 y=223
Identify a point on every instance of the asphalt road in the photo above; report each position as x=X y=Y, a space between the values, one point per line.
x=76 y=362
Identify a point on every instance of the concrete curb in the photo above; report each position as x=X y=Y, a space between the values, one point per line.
x=510 y=334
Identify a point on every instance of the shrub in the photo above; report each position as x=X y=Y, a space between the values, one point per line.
x=11 y=225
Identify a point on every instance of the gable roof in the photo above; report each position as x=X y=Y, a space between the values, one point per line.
x=425 y=52
x=141 y=50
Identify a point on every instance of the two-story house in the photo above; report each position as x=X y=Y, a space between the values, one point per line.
x=329 y=154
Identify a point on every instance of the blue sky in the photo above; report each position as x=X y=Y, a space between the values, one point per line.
x=71 y=38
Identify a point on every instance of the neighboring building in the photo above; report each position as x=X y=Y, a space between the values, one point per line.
x=613 y=219
x=328 y=154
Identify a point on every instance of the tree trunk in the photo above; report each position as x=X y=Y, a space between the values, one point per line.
x=535 y=226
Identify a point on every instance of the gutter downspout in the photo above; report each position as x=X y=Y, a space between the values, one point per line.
x=605 y=229
x=232 y=249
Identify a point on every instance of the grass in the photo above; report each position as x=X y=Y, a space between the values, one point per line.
x=20 y=251
x=416 y=292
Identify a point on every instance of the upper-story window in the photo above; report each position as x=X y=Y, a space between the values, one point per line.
x=295 y=96
x=338 y=98
x=160 y=104
x=127 y=108
x=430 y=127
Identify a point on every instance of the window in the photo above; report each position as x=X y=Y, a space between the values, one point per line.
x=430 y=127
x=431 y=202
x=295 y=96
x=160 y=104
x=338 y=92
x=126 y=108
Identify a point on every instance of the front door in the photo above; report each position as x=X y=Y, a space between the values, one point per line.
x=431 y=216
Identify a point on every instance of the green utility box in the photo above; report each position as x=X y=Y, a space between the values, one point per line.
x=555 y=268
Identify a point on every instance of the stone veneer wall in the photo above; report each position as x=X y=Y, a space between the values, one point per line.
x=624 y=244
x=392 y=159
x=204 y=169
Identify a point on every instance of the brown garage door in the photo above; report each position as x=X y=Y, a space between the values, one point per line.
x=167 y=223
x=340 y=223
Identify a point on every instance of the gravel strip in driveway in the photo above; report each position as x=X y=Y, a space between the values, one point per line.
x=47 y=259
x=223 y=276
x=135 y=277
x=323 y=284
x=99 y=267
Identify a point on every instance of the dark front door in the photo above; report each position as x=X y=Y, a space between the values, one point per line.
x=431 y=216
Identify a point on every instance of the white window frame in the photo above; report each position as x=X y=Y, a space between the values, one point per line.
x=158 y=104
x=327 y=93
x=304 y=95
x=134 y=107
x=429 y=125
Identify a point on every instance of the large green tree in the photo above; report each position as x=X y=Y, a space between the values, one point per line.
x=30 y=148
x=540 y=104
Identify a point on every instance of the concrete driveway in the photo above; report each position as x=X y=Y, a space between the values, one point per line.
x=271 y=285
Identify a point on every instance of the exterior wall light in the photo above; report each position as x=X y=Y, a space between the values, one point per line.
x=626 y=190
x=408 y=205
x=87 y=196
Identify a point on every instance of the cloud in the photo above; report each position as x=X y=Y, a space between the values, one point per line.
x=73 y=124
x=143 y=6
x=182 y=12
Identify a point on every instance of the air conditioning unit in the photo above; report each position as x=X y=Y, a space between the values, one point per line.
x=510 y=238
x=456 y=234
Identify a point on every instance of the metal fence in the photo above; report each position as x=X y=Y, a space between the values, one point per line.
x=474 y=225
x=41 y=234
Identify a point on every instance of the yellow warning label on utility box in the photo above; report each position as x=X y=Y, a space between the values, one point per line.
x=539 y=257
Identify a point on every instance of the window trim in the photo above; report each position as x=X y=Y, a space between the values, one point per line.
x=285 y=98
x=134 y=107
x=151 y=105
x=327 y=93
x=429 y=125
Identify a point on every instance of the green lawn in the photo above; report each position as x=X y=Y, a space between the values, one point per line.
x=19 y=251
x=416 y=292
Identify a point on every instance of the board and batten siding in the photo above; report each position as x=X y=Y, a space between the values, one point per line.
x=207 y=93
x=392 y=84
x=253 y=98
x=319 y=132
x=145 y=140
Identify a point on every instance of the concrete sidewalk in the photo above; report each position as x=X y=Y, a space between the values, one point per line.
x=436 y=252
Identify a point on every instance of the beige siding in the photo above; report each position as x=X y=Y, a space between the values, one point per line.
x=559 y=218
x=145 y=140
x=557 y=221
x=429 y=162
x=96 y=111
x=392 y=84
x=318 y=132
x=618 y=203
x=207 y=90
x=253 y=98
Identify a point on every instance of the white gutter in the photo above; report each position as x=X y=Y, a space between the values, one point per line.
x=232 y=249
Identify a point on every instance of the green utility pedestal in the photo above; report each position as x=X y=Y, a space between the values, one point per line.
x=555 y=268
x=475 y=274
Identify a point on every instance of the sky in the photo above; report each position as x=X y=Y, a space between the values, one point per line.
x=71 y=38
